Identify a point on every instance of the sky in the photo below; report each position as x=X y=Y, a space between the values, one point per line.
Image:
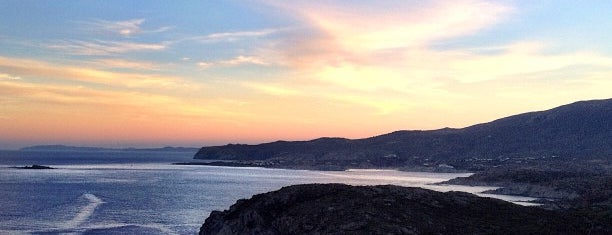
x=119 y=73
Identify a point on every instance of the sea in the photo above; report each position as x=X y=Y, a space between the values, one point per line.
x=135 y=192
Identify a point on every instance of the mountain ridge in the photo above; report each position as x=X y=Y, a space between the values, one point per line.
x=581 y=130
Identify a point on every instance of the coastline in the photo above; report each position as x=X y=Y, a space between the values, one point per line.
x=556 y=186
x=530 y=200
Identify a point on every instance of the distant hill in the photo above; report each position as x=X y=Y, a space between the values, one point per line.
x=96 y=149
x=580 y=131
x=387 y=209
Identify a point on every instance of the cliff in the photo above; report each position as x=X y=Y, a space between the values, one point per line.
x=343 y=209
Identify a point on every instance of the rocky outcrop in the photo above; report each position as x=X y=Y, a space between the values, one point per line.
x=343 y=209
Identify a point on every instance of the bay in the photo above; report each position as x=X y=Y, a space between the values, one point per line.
x=136 y=192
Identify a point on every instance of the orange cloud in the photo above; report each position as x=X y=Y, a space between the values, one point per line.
x=379 y=60
x=41 y=69
x=8 y=76
x=244 y=60
x=342 y=33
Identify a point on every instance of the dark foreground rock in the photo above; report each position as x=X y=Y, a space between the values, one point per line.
x=343 y=209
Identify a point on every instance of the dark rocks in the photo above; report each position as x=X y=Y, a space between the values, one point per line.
x=343 y=209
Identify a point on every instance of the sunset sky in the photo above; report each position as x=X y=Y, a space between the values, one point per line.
x=195 y=73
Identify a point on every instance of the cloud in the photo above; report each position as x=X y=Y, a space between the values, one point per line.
x=97 y=47
x=236 y=61
x=100 y=47
x=336 y=33
x=239 y=60
x=272 y=89
x=520 y=60
x=391 y=48
x=232 y=36
x=126 y=64
x=4 y=76
x=385 y=56
x=204 y=65
x=41 y=69
x=125 y=28
x=44 y=93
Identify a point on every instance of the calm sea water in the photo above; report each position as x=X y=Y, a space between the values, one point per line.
x=142 y=193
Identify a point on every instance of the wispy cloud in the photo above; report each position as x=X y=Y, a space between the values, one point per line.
x=387 y=60
x=44 y=93
x=236 y=61
x=125 y=28
x=204 y=65
x=244 y=60
x=272 y=89
x=520 y=60
x=126 y=64
x=387 y=51
x=79 y=95
x=340 y=34
x=4 y=76
x=100 y=47
x=41 y=69
x=233 y=36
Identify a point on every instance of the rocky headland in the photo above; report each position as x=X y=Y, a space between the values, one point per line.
x=343 y=209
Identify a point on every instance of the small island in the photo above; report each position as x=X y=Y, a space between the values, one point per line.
x=33 y=167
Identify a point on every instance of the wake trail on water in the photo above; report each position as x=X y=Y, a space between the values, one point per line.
x=85 y=212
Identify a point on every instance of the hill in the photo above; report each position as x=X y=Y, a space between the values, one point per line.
x=580 y=132
x=343 y=209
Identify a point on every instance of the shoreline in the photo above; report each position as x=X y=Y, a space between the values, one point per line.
x=536 y=200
